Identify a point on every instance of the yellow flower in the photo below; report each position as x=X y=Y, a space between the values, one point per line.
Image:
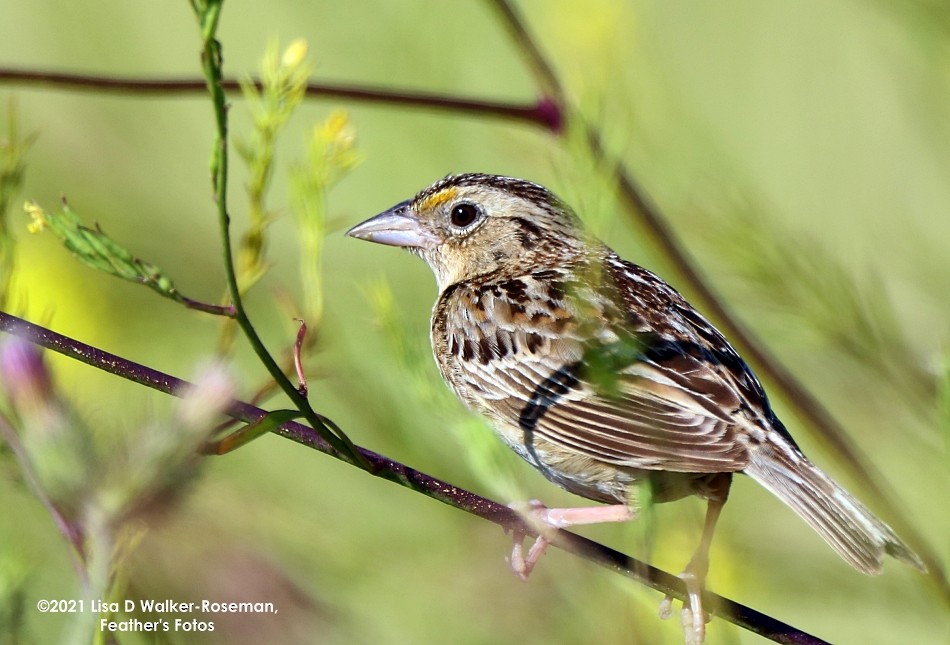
x=295 y=53
x=337 y=137
x=39 y=223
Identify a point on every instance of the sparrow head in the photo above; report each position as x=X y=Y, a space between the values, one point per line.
x=472 y=225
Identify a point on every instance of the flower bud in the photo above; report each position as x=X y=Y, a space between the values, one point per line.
x=23 y=376
x=295 y=53
x=57 y=446
x=210 y=394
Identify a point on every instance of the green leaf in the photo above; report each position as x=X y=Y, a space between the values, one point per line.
x=269 y=422
x=604 y=362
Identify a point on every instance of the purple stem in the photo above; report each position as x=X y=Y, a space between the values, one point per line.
x=544 y=112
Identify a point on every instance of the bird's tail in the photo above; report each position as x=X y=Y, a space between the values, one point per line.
x=845 y=523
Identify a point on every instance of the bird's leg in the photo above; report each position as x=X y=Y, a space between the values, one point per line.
x=543 y=519
x=693 y=617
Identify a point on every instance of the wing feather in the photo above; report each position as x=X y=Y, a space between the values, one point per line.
x=649 y=423
x=674 y=406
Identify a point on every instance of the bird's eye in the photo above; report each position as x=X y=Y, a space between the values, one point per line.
x=464 y=215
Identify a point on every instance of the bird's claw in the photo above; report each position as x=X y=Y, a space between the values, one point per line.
x=520 y=563
x=692 y=617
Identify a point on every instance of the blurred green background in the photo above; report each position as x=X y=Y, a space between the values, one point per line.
x=801 y=150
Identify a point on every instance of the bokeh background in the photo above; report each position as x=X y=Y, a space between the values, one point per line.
x=800 y=150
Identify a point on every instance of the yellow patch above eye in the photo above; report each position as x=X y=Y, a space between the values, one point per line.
x=434 y=201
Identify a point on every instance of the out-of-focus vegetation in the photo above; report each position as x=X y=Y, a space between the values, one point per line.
x=799 y=149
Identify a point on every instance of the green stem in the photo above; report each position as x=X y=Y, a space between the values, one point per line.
x=212 y=64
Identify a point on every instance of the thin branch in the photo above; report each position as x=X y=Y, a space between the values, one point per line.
x=420 y=482
x=646 y=212
x=543 y=71
x=298 y=360
x=543 y=113
x=209 y=308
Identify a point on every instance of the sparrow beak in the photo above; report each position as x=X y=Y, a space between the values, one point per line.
x=395 y=227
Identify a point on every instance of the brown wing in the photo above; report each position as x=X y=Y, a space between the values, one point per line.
x=652 y=419
x=671 y=406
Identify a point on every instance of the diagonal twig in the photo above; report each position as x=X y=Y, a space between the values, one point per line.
x=437 y=489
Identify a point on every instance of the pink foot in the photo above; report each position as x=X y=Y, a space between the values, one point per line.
x=520 y=564
x=544 y=519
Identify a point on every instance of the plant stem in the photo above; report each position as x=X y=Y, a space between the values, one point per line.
x=542 y=113
x=211 y=60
